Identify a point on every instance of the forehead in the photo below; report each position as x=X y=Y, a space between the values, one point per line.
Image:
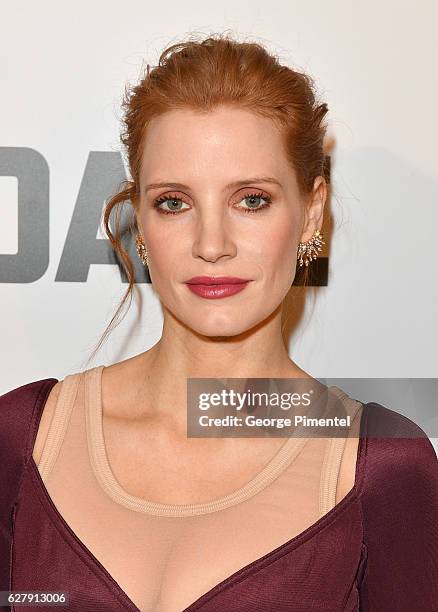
x=225 y=140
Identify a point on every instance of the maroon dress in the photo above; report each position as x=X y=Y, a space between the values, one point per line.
x=376 y=550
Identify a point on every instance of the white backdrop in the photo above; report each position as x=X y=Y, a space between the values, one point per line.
x=63 y=70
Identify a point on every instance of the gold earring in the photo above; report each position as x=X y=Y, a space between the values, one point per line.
x=309 y=250
x=141 y=250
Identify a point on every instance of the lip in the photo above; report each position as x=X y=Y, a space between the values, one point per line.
x=216 y=280
x=216 y=287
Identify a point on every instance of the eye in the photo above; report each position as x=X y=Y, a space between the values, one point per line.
x=175 y=205
x=253 y=202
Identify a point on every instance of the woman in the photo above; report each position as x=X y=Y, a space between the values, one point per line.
x=104 y=496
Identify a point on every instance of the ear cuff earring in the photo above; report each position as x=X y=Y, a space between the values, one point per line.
x=307 y=251
x=141 y=250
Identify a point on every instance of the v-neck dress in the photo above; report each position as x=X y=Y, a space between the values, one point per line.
x=278 y=543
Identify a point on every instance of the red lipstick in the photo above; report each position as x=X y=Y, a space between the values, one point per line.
x=214 y=287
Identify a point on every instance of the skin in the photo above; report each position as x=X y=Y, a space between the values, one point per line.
x=211 y=235
x=144 y=397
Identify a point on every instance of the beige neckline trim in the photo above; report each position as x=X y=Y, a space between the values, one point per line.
x=106 y=478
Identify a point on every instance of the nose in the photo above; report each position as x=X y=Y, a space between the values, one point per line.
x=213 y=238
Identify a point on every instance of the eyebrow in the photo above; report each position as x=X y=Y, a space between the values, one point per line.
x=234 y=184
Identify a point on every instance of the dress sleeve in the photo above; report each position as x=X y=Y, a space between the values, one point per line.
x=20 y=410
x=399 y=503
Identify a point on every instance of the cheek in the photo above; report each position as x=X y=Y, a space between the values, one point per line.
x=280 y=261
x=170 y=262
x=279 y=247
x=162 y=241
x=163 y=263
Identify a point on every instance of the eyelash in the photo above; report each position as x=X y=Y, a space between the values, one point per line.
x=261 y=195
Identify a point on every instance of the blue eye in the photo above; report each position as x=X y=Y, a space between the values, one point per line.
x=255 y=203
x=174 y=207
x=255 y=199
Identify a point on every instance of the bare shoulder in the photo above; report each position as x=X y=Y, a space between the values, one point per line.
x=46 y=419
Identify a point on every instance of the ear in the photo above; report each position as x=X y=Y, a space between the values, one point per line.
x=314 y=209
x=137 y=224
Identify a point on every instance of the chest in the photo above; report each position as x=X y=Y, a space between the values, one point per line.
x=246 y=562
x=180 y=469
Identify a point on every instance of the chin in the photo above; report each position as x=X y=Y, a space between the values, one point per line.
x=223 y=327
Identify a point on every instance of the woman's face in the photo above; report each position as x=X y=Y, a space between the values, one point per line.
x=221 y=162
